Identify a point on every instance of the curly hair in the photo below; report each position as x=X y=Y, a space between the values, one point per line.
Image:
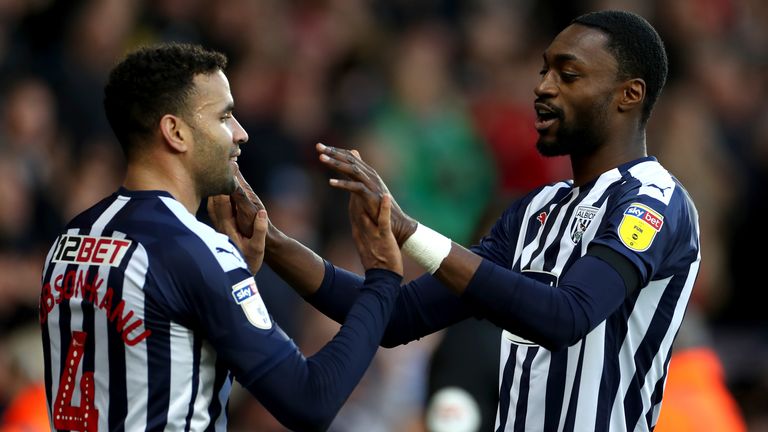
x=638 y=49
x=151 y=82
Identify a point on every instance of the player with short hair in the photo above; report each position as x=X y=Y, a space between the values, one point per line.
x=148 y=314
x=589 y=278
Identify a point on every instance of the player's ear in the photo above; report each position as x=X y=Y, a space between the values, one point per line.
x=632 y=94
x=175 y=132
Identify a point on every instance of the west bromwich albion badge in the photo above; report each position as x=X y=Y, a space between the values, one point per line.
x=581 y=220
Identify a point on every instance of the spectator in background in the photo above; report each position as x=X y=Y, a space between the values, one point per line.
x=424 y=141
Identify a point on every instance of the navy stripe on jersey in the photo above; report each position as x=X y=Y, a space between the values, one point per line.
x=197 y=346
x=506 y=387
x=556 y=380
x=522 y=408
x=118 y=395
x=159 y=380
x=573 y=402
x=612 y=378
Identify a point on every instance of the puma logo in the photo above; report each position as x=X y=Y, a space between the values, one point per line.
x=662 y=190
x=221 y=249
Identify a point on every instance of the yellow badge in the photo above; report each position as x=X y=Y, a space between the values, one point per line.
x=639 y=226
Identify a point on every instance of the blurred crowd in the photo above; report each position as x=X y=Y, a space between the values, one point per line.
x=435 y=94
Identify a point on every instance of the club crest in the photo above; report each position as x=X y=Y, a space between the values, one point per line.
x=582 y=218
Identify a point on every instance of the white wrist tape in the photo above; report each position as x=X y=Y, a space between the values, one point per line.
x=427 y=247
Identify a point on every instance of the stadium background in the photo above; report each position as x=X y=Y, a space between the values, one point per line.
x=437 y=95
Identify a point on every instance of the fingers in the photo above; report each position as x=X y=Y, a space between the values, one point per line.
x=258 y=240
x=385 y=210
x=220 y=212
x=347 y=162
x=260 y=225
x=245 y=192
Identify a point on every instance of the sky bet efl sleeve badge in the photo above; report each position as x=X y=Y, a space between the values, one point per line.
x=247 y=296
x=639 y=226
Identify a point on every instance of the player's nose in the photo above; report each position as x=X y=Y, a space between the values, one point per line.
x=240 y=136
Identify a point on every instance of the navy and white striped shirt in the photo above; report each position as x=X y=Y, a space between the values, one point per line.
x=147 y=315
x=613 y=378
x=601 y=349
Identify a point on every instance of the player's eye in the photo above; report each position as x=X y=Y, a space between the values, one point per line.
x=569 y=76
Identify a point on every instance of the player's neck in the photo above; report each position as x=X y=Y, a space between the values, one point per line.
x=145 y=175
x=613 y=154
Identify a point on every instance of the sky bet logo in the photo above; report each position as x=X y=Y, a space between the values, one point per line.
x=77 y=249
x=242 y=294
x=646 y=215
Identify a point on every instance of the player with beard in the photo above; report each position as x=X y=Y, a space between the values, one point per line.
x=589 y=278
x=147 y=314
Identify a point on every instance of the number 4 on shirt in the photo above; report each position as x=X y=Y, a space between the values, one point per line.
x=66 y=416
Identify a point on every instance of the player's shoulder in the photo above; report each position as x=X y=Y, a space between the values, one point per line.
x=201 y=242
x=652 y=191
x=648 y=178
x=164 y=228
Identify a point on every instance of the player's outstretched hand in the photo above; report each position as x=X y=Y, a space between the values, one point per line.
x=373 y=237
x=363 y=181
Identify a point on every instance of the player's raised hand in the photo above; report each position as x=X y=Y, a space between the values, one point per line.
x=246 y=204
x=363 y=181
x=226 y=220
x=373 y=237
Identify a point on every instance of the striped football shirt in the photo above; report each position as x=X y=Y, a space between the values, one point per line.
x=137 y=308
x=613 y=378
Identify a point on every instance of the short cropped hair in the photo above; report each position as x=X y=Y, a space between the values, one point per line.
x=638 y=49
x=152 y=82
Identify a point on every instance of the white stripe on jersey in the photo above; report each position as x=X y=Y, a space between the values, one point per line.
x=182 y=369
x=212 y=239
x=537 y=262
x=200 y=416
x=656 y=371
x=537 y=203
x=136 y=357
x=54 y=334
x=637 y=326
x=504 y=353
x=101 y=322
x=570 y=379
x=589 y=384
x=566 y=244
x=535 y=418
x=223 y=396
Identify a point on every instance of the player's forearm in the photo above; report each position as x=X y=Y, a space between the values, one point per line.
x=458 y=268
x=298 y=265
x=554 y=316
x=306 y=394
x=449 y=262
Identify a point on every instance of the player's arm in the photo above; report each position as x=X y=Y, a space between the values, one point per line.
x=306 y=393
x=423 y=307
x=553 y=317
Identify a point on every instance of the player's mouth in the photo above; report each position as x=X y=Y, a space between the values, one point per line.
x=546 y=116
x=233 y=158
